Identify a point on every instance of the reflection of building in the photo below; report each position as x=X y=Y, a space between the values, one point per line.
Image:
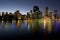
x=18 y=23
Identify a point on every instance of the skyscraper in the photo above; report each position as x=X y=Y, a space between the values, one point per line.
x=46 y=11
x=17 y=14
x=49 y=14
x=6 y=15
x=0 y=13
x=35 y=8
x=30 y=13
x=3 y=14
x=56 y=14
x=36 y=12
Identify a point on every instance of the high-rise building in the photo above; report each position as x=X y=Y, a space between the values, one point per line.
x=6 y=16
x=36 y=12
x=11 y=16
x=30 y=13
x=40 y=14
x=17 y=14
x=6 y=13
x=35 y=8
x=56 y=14
x=49 y=14
x=3 y=14
x=0 y=13
x=46 y=11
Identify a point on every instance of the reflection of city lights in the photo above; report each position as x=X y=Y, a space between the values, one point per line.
x=53 y=18
x=44 y=24
x=2 y=18
x=45 y=20
x=6 y=25
x=19 y=17
x=57 y=25
x=47 y=24
x=28 y=27
x=29 y=24
x=29 y=21
x=18 y=23
x=59 y=20
x=2 y=21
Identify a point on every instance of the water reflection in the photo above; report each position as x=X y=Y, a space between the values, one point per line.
x=17 y=23
x=30 y=24
x=44 y=24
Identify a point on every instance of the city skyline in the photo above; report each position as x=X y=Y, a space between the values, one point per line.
x=25 y=6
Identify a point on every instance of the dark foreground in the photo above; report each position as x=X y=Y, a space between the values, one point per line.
x=31 y=36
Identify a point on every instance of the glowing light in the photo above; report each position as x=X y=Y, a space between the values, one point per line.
x=45 y=20
x=18 y=23
x=29 y=23
x=19 y=17
x=47 y=24
x=2 y=21
x=28 y=27
x=59 y=20
x=56 y=25
x=53 y=18
x=6 y=26
x=2 y=18
x=44 y=24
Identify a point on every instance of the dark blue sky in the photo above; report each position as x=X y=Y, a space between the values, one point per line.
x=25 y=5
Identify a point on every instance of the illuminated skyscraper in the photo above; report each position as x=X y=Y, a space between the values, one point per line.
x=17 y=14
x=6 y=15
x=30 y=13
x=3 y=14
x=40 y=14
x=0 y=16
x=56 y=14
x=49 y=14
x=36 y=12
x=0 y=13
x=35 y=8
x=46 y=11
x=11 y=16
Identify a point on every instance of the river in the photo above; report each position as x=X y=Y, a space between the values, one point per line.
x=22 y=27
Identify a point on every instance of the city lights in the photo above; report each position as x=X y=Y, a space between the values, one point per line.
x=35 y=19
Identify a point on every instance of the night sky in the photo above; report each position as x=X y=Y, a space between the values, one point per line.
x=25 y=5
